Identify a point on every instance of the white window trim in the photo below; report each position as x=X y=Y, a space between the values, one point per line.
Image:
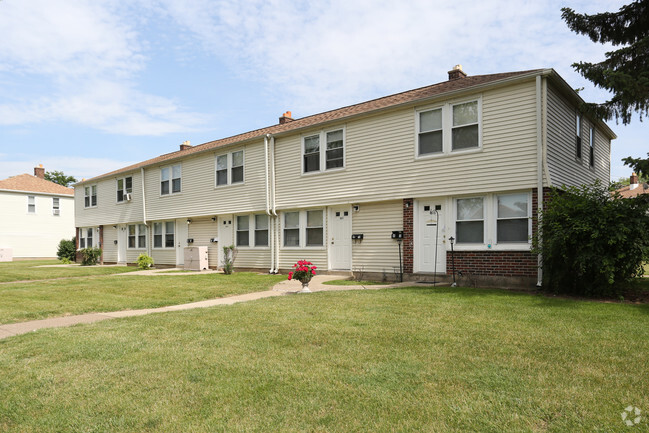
x=490 y=243
x=57 y=207
x=164 y=235
x=171 y=178
x=90 y=205
x=302 y=228
x=137 y=237
x=251 y=231
x=447 y=128
x=29 y=204
x=323 y=151
x=591 y=147
x=84 y=235
x=229 y=169
x=579 y=144
x=123 y=179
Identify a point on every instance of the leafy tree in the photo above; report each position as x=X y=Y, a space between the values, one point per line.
x=625 y=181
x=60 y=178
x=592 y=244
x=625 y=72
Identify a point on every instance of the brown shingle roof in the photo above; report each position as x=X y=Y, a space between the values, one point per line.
x=627 y=192
x=397 y=99
x=27 y=182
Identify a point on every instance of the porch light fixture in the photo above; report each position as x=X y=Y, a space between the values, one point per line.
x=115 y=227
x=213 y=218
x=189 y=221
x=451 y=240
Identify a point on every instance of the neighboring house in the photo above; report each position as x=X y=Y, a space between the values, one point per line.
x=35 y=215
x=634 y=189
x=462 y=158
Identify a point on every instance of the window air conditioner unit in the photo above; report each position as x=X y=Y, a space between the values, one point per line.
x=56 y=212
x=127 y=196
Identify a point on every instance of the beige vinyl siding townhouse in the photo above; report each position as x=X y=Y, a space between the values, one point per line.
x=461 y=159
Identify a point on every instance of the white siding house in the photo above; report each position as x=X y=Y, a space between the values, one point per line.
x=35 y=215
x=463 y=160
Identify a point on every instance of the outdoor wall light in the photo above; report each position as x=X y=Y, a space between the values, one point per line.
x=189 y=221
x=213 y=218
x=115 y=227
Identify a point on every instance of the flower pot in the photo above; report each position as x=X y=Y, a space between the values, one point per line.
x=305 y=288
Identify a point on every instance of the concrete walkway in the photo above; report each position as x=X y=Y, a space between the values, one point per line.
x=280 y=289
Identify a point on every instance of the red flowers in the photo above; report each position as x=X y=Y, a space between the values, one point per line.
x=303 y=271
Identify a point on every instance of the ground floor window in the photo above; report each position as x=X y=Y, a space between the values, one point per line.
x=86 y=237
x=304 y=228
x=469 y=224
x=137 y=236
x=513 y=219
x=252 y=230
x=164 y=234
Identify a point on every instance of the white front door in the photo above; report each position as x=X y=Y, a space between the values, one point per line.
x=430 y=237
x=225 y=235
x=121 y=243
x=340 y=238
x=182 y=232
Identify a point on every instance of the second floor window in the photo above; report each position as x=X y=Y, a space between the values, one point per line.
x=229 y=168
x=31 y=204
x=170 y=179
x=578 y=136
x=592 y=147
x=124 y=187
x=56 y=206
x=315 y=159
x=90 y=196
x=449 y=128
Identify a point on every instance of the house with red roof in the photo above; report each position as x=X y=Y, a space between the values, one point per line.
x=35 y=214
x=634 y=188
x=422 y=182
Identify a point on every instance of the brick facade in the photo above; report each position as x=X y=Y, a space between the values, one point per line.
x=478 y=262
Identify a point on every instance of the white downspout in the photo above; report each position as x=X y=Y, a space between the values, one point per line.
x=149 y=237
x=275 y=249
x=270 y=234
x=539 y=171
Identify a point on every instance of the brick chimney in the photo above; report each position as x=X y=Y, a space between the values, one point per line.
x=286 y=117
x=456 y=73
x=39 y=171
x=185 y=145
x=633 y=181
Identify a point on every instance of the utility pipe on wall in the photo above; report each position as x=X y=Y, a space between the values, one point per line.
x=539 y=171
x=271 y=238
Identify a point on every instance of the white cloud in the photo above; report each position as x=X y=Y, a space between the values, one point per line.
x=322 y=55
x=85 y=57
x=72 y=165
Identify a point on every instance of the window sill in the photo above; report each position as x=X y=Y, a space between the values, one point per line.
x=523 y=246
x=331 y=170
x=230 y=184
x=318 y=248
x=448 y=154
x=170 y=194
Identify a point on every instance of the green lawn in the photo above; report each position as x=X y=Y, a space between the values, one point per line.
x=20 y=302
x=406 y=360
x=23 y=270
x=353 y=283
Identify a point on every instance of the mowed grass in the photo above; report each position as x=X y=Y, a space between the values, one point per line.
x=21 y=302
x=406 y=360
x=354 y=283
x=24 y=270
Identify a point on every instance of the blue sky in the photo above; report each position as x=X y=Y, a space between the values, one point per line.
x=88 y=86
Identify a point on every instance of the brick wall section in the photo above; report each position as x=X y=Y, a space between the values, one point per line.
x=493 y=263
x=407 y=236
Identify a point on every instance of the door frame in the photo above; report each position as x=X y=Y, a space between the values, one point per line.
x=417 y=244
x=330 y=231
x=181 y=241
x=122 y=243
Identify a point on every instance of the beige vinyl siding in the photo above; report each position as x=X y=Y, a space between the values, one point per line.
x=163 y=256
x=377 y=252
x=34 y=234
x=202 y=230
x=380 y=157
x=108 y=210
x=253 y=258
x=199 y=196
x=109 y=247
x=564 y=167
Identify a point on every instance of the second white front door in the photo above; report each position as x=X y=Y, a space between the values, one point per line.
x=182 y=232
x=225 y=235
x=340 y=238
x=121 y=243
x=430 y=237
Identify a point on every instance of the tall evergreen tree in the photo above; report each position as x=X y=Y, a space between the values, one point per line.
x=625 y=72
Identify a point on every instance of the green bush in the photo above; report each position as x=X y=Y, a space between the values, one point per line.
x=90 y=256
x=593 y=244
x=66 y=261
x=144 y=261
x=67 y=250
